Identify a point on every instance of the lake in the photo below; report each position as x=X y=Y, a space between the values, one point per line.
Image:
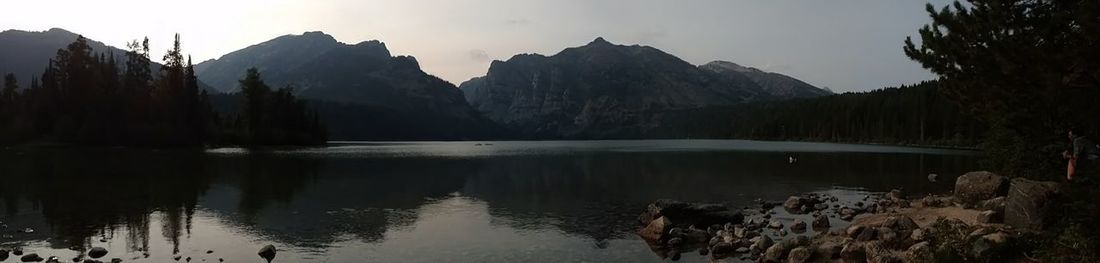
x=545 y=201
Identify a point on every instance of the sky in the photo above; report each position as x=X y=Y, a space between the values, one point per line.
x=845 y=45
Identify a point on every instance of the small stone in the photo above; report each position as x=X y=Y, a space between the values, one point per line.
x=176 y=257
x=742 y=250
x=821 y=222
x=116 y=260
x=775 y=224
x=675 y=242
x=53 y=259
x=209 y=252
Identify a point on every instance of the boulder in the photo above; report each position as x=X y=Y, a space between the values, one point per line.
x=974 y=187
x=793 y=203
x=97 y=252
x=887 y=235
x=723 y=248
x=656 y=229
x=989 y=217
x=1030 y=204
x=867 y=234
x=798 y=225
x=32 y=257
x=854 y=231
x=762 y=242
x=853 y=252
x=895 y=195
x=877 y=252
x=775 y=253
x=821 y=222
x=829 y=250
x=988 y=245
x=798 y=255
x=919 y=253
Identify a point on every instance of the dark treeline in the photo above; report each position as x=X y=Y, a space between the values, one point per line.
x=89 y=98
x=913 y=114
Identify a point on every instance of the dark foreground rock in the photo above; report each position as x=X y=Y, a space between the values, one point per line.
x=1030 y=204
x=267 y=252
x=683 y=214
x=974 y=187
x=32 y=257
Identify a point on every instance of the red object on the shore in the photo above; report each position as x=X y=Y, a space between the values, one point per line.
x=1071 y=169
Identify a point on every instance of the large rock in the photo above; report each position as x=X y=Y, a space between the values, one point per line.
x=683 y=214
x=3 y=255
x=1030 y=204
x=798 y=255
x=974 y=187
x=656 y=229
x=821 y=222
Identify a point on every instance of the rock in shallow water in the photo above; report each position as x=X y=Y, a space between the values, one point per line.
x=267 y=252
x=97 y=252
x=32 y=257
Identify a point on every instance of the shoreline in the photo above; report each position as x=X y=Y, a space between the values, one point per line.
x=978 y=221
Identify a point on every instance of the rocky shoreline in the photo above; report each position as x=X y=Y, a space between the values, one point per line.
x=982 y=219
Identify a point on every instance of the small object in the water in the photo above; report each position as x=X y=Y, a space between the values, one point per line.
x=791 y=159
x=116 y=260
x=32 y=257
x=221 y=260
x=933 y=177
x=209 y=252
x=176 y=257
x=97 y=252
x=53 y=259
x=188 y=259
x=28 y=230
x=267 y=252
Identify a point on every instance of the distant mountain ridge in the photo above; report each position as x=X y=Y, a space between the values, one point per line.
x=363 y=77
x=604 y=90
x=27 y=53
x=774 y=83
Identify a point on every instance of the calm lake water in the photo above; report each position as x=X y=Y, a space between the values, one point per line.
x=553 y=201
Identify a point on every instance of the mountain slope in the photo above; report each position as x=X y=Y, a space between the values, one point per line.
x=601 y=90
x=361 y=78
x=774 y=83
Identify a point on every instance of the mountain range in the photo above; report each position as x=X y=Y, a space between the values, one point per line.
x=604 y=90
x=597 y=91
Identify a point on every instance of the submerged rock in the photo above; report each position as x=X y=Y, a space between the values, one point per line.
x=97 y=252
x=267 y=253
x=32 y=257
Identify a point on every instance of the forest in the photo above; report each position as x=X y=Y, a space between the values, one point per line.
x=918 y=114
x=88 y=98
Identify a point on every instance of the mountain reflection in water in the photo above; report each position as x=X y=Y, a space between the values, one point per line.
x=557 y=201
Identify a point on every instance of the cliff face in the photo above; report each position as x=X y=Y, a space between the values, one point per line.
x=600 y=90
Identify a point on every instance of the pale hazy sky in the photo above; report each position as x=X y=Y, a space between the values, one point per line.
x=846 y=45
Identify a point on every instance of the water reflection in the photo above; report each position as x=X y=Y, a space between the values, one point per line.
x=340 y=207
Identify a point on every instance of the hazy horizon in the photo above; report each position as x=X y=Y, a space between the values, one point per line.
x=843 y=45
